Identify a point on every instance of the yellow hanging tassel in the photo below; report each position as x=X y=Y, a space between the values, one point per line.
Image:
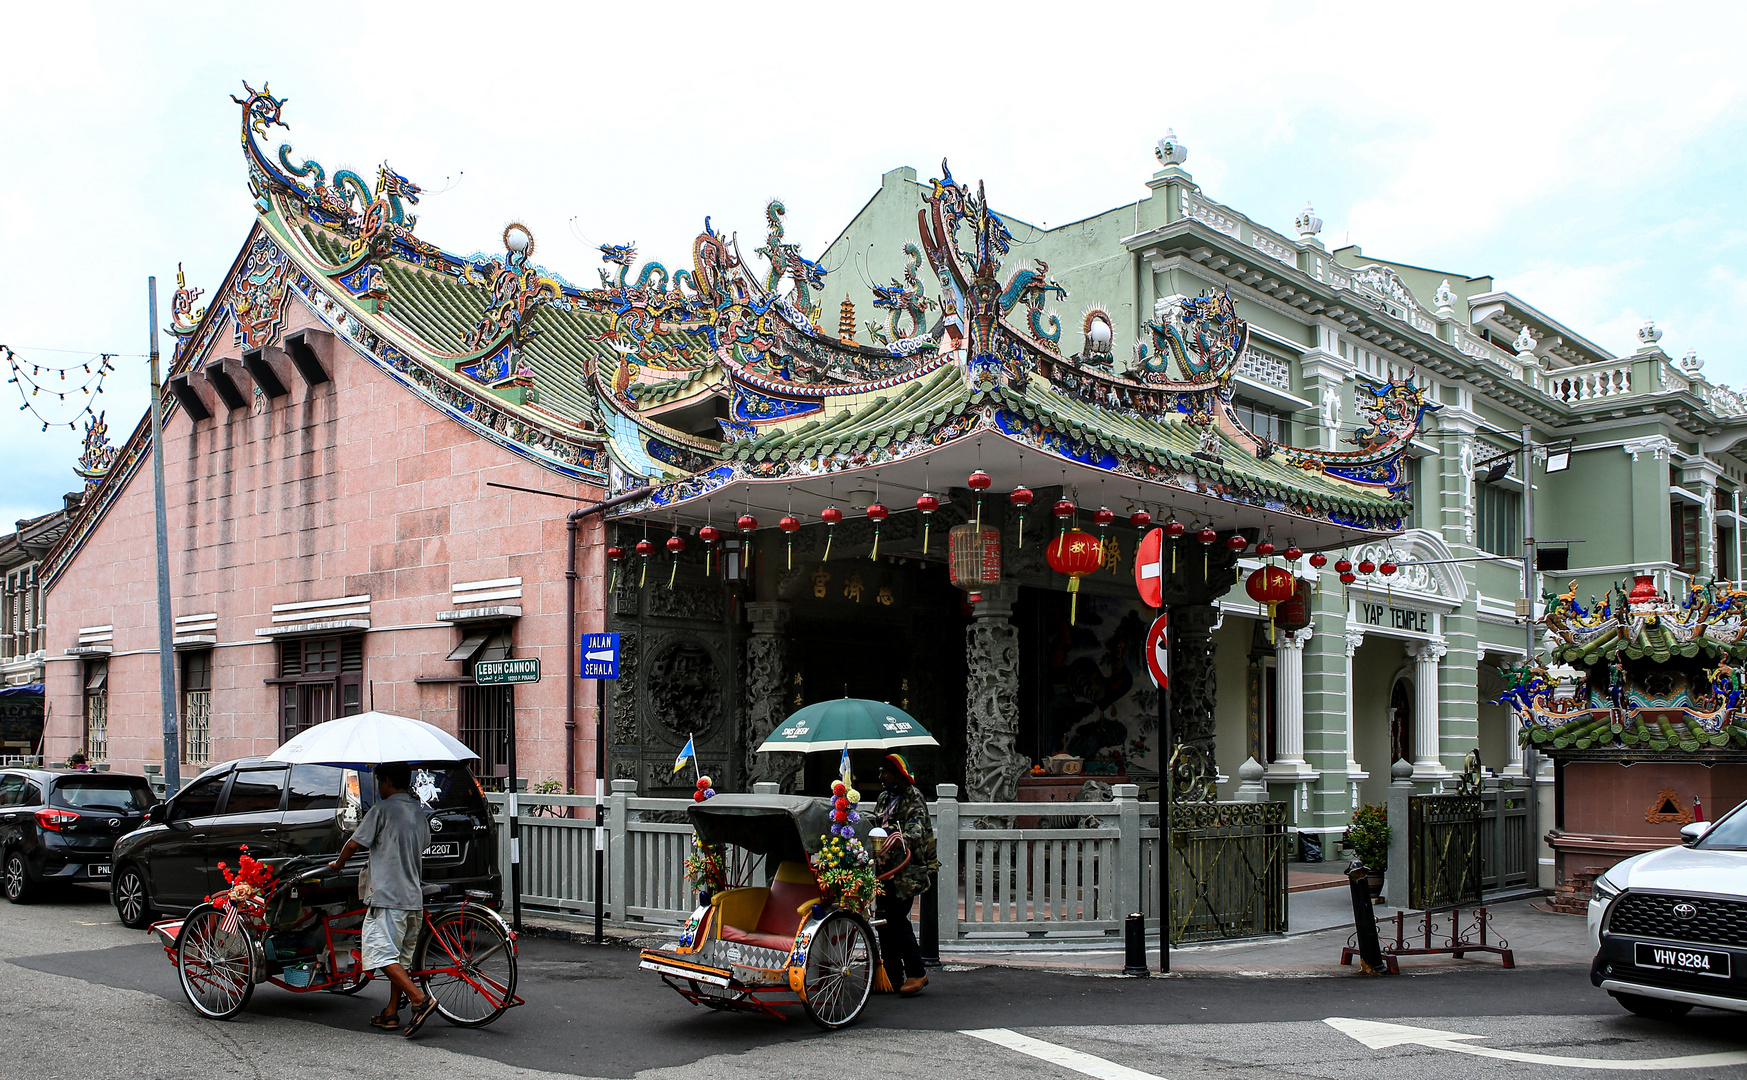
x=924 y=536
x=671 y=574
x=827 y=557
x=643 y=578
x=1173 y=558
x=791 y=554
x=875 y=555
x=1021 y=530
x=1073 y=601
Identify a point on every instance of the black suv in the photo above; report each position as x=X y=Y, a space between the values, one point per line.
x=59 y=825
x=279 y=811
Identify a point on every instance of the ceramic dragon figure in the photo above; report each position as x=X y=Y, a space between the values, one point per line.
x=515 y=288
x=1201 y=335
x=786 y=261
x=905 y=299
x=1029 y=287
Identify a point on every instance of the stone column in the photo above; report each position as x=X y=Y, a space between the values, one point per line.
x=993 y=764
x=1193 y=689
x=765 y=684
x=1355 y=637
x=1289 y=707
x=1427 y=656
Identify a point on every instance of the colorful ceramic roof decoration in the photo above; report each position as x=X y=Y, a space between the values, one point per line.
x=715 y=380
x=1638 y=670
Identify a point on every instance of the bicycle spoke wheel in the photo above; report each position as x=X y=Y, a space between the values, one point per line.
x=216 y=967
x=839 y=972
x=467 y=962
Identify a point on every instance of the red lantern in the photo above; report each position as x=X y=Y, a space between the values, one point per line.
x=1271 y=585
x=1366 y=566
x=1237 y=541
x=973 y=558
x=675 y=544
x=788 y=525
x=1140 y=519
x=1343 y=566
x=1292 y=553
x=1387 y=567
x=1319 y=560
x=876 y=513
x=616 y=556
x=1076 y=554
x=1064 y=512
x=1265 y=548
x=1103 y=517
x=830 y=516
x=1021 y=497
x=1207 y=536
x=927 y=504
x=644 y=549
x=709 y=534
x=979 y=480
x=747 y=523
x=1175 y=529
x=1347 y=579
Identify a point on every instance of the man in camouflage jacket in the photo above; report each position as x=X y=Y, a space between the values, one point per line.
x=902 y=810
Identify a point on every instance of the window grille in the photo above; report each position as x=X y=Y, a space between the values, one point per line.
x=197 y=708
x=97 y=710
x=320 y=679
x=1683 y=522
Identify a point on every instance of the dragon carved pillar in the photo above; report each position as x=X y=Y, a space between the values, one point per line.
x=764 y=687
x=993 y=765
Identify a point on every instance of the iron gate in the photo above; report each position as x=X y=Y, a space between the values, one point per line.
x=1228 y=871
x=1443 y=850
x=1507 y=850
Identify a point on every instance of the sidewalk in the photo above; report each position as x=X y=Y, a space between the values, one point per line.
x=1320 y=923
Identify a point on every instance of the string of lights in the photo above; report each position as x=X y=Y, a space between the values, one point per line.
x=37 y=382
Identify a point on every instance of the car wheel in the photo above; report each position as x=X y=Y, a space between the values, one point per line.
x=128 y=892
x=1652 y=1008
x=16 y=879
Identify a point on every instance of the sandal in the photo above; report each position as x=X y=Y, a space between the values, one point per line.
x=384 y=1022
x=420 y=1014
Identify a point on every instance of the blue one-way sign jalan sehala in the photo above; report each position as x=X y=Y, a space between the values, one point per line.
x=600 y=656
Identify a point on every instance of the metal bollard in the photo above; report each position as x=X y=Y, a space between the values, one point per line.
x=1365 y=921
x=930 y=939
x=1134 y=946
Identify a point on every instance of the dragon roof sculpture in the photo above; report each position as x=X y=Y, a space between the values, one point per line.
x=718 y=375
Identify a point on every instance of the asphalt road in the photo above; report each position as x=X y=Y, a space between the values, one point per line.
x=82 y=997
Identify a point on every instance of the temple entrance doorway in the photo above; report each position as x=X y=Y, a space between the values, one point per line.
x=890 y=631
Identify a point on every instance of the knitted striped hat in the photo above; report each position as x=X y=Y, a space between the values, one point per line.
x=901 y=767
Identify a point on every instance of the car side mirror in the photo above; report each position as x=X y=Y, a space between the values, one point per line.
x=1693 y=830
x=157 y=813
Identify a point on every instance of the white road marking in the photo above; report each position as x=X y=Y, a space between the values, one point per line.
x=1086 y=1064
x=1378 y=1035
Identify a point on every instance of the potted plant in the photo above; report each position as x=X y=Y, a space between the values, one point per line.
x=1368 y=839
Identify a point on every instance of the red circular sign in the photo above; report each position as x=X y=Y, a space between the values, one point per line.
x=1158 y=651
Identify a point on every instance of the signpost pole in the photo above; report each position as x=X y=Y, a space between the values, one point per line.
x=1164 y=849
x=166 y=636
x=600 y=806
x=515 y=833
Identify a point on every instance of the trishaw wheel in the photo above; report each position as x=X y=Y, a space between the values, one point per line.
x=467 y=962
x=216 y=966
x=839 y=971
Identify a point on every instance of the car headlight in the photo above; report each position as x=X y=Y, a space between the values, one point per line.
x=1605 y=889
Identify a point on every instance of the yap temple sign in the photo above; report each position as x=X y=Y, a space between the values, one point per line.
x=1393 y=618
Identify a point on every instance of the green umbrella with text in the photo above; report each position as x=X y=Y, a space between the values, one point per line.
x=852 y=723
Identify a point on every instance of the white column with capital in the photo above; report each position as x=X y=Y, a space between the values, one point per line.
x=1427 y=656
x=1289 y=762
x=1355 y=771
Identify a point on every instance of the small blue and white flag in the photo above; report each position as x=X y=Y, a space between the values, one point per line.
x=686 y=754
x=843 y=772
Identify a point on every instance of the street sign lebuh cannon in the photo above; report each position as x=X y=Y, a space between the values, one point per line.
x=507 y=672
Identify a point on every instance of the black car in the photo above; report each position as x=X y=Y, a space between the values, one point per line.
x=279 y=811
x=60 y=825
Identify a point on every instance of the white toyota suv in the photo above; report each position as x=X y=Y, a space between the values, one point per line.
x=1670 y=927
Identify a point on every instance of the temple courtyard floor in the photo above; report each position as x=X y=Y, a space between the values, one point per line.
x=82 y=997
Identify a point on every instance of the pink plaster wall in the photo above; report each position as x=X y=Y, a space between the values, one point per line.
x=355 y=486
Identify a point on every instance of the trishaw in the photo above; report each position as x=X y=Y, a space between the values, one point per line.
x=302 y=933
x=752 y=947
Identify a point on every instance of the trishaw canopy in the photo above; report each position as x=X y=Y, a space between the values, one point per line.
x=783 y=828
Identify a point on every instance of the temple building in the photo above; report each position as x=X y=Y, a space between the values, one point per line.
x=923 y=481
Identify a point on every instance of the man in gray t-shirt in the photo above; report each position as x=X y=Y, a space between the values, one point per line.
x=395 y=832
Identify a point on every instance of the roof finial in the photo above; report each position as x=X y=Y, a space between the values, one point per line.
x=1691 y=363
x=1649 y=335
x=1169 y=151
x=1307 y=223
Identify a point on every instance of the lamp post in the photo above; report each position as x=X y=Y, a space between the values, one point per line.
x=166 y=642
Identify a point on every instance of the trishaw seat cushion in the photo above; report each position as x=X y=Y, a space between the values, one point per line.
x=791 y=892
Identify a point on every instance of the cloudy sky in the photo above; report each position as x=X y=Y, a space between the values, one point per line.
x=1586 y=155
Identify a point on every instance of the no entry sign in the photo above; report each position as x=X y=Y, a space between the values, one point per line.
x=1158 y=651
x=1149 y=576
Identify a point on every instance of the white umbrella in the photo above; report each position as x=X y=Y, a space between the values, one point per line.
x=367 y=739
